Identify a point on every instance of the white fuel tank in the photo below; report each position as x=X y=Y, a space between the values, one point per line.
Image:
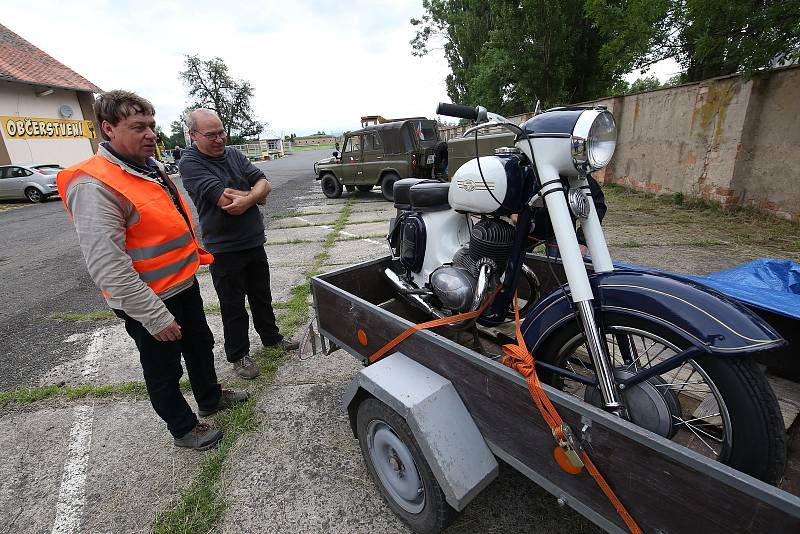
x=469 y=192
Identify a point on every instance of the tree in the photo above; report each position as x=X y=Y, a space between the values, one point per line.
x=707 y=37
x=176 y=135
x=211 y=86
x=507 y=54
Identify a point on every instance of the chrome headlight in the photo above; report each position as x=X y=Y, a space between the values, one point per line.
x=594 y=139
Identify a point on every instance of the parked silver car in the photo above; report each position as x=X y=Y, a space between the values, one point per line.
x=35 y=183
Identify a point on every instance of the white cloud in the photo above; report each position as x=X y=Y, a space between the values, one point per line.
x=315 y=65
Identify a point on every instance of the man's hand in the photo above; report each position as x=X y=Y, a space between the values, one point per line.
x=235 y=192
x=238 y=204
x=170 y=333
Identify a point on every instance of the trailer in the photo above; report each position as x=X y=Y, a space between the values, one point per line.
x=435 y=415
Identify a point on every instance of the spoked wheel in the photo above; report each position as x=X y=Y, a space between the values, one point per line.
x=34 y=195
x=398 y=467
x=719 y=406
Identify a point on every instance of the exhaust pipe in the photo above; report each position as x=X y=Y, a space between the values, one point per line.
x=483 y=292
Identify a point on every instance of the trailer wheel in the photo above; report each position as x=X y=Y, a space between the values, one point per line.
x=398 y=467
x=331 y=187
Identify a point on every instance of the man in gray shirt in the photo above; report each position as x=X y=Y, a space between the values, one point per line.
x=226 y=188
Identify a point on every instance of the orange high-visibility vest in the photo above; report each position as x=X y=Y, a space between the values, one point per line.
x=162 y=246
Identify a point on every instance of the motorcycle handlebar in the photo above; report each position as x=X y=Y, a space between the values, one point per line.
x=457 y=110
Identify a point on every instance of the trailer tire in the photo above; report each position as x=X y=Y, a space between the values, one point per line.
x=749 y=402
x=331 y=187
x=388 y=447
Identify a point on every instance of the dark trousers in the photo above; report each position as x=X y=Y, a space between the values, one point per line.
x=236 y=275
x=161 y=362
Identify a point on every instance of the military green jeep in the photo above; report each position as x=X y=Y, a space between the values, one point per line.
x=380 y=155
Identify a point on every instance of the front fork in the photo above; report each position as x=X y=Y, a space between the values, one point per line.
x=578 y=280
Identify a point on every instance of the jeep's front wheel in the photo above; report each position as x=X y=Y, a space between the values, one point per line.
x=331 y=187
x=387 y=185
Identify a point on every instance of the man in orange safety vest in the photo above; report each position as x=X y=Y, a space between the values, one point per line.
x=137 y=236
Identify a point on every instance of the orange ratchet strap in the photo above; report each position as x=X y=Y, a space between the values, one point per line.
x=432 y=324
x=520 y=359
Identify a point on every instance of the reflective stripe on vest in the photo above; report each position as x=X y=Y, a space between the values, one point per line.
x=167 y=270
x=145 y=253
x=161 y=245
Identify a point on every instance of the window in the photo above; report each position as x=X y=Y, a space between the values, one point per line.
x=15 y=172
x=372 y=141
x=353 y=144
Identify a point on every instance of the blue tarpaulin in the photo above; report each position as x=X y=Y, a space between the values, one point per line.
x=765 y=283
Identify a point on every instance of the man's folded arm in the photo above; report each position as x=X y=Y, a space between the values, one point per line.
x=202 y=185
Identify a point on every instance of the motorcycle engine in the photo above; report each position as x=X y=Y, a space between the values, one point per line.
x=455 y=285
x=490 y=238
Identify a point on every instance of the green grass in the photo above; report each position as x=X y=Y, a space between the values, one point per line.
x=102 y=315
x=628 y=244
x=200 y=506
x=291 y=242
x=312 y=147
x=295 y=213
x=746 y=228
x=30 y=395
x=23 y=396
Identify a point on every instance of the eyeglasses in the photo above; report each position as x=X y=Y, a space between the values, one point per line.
x=213 y=135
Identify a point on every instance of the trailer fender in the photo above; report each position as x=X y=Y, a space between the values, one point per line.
x=448 y=437
x=704 y=317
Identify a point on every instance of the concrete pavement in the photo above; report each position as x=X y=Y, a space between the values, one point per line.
x=108 y=464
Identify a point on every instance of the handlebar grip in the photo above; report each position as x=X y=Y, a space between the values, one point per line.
x=457 y=110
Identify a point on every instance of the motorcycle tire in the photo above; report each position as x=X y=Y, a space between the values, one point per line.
x=754 y=443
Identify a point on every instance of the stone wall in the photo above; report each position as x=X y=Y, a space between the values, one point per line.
x=726 y=140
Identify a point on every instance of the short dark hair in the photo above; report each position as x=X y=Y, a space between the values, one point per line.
x=113 y=106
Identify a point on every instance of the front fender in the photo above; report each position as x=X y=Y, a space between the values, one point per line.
x=702 y=316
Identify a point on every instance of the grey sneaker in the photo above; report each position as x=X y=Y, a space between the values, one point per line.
x=228 y=398
x=246 y=368
x=285 y=345
x=202 y=437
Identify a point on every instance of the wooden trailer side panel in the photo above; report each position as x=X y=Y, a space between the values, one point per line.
x=659 y=486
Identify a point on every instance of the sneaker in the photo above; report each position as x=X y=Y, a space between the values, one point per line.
x=228 y=398
x=285 y=345
x=246 y=368
x=201 y=438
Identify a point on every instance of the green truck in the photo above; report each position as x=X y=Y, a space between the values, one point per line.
x=381 y=154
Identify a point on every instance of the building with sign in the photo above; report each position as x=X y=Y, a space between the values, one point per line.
x=46 y=111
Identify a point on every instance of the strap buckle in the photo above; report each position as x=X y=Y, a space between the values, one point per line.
x=569 y=444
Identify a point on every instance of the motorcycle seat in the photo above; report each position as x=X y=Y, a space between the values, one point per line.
x=401 y=192
x=429 y=195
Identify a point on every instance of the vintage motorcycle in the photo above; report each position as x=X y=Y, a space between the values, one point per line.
x=671 y=356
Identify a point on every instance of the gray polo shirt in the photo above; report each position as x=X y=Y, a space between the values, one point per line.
x=205 y=178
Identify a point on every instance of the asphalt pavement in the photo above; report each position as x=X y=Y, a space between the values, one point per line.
x=43 y=276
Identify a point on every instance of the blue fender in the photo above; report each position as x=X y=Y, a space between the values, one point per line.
x=702 y=316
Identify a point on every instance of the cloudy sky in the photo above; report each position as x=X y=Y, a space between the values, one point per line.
x=314 y=64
